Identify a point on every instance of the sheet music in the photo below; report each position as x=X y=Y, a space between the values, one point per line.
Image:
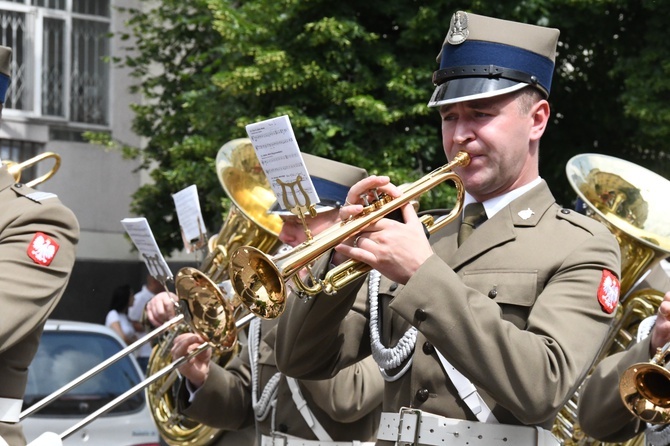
x=189 y=215
x=140 y=233
x=280 y=158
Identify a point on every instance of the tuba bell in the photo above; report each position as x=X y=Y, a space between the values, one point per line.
x=630 y=201
x=247 y=223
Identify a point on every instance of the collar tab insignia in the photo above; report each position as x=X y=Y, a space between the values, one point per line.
x=526 y=213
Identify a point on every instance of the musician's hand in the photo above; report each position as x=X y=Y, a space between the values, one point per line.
x=364 y=188
x=355 y=204
x=195 y=369
x=660 y=335
x=395 y=249
x=161 y=308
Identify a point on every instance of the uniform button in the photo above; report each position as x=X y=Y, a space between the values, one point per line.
x=422 y=395
x=565 y=211
x=420 y=315
x=283 y=428
x=393 y=287
x=18 y=185
x=428 y=348
x=493 y=293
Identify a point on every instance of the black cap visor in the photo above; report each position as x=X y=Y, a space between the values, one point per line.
x=468 y=89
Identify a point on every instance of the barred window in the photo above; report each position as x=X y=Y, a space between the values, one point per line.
x=60 y=52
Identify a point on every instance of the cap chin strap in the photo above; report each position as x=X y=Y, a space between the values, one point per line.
x=488 y=71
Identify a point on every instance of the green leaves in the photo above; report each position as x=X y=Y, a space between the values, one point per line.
x=355 y=77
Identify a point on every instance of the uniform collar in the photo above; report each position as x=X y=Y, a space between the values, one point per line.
x=494 y=205
x=525 y=210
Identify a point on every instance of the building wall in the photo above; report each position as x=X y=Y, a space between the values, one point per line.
x=97 y=184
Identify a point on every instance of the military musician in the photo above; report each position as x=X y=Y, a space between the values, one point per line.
x=342 y=410
x=38 y=236
x=483 y=339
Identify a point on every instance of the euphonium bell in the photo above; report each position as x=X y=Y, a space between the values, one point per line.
x=645 y=388
x=259 y=279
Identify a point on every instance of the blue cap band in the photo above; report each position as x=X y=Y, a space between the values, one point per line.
x=4 y=85
x=513 y=59
x=330 y=193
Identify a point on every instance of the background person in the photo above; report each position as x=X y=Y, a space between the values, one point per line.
x=250 y=389
x=117 y=316
x=38 y=237
x=468 y=330
x=150 y=288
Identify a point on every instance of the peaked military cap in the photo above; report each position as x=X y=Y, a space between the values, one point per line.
x=483 y=57
x=5 y=71
x=332 y=181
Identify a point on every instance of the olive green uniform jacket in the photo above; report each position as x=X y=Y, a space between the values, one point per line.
x=348 y=406
x=602 y=413
x=514 y=309
x=29 y=291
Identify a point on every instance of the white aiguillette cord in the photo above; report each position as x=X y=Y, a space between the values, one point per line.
x=263 y=404
x=388 y=358
x=260 y=405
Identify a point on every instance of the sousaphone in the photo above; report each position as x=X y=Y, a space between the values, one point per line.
x=247 y=223
x=632 y=202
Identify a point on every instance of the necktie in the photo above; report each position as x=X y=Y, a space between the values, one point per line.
x=473 y=215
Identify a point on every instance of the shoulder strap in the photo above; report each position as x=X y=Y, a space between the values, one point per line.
x=468 y=392
x=307 y=414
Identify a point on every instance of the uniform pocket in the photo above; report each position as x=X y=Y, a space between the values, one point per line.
x=514 y=290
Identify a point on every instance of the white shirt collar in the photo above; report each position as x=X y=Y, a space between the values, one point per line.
x=493 y=205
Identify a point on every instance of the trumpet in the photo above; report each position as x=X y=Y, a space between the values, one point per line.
x=645 y=388
x=16 y=168
x=259 y=280
x=202 y=306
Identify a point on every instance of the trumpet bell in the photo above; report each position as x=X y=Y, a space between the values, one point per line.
x=209 y=314
x=645 y=390
x=257 y=280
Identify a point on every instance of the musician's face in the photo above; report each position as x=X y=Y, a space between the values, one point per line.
x=501 y=135
x=292 y=232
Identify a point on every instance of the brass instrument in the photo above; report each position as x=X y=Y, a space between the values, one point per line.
x=630 y=201
x=260 y=280
x=201 y=305
x=645 y=388
x=15 y=168
x=248 y=223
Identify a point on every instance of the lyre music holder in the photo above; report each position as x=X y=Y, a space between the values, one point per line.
x=302 y=205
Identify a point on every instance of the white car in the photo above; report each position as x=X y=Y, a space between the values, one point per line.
x=66 y=351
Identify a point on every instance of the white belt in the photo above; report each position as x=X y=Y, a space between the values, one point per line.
x=286 y=440
x=10 y=408
x=414 y=427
